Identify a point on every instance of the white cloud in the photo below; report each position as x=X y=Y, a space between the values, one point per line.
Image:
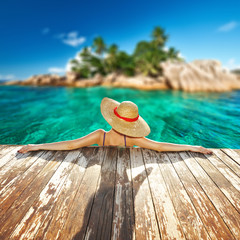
x=181 y=56
x=45 y=31
x=7 y=77
x=165 y=48
x=73 y=34
x=71 y=38
x=74 y=41
x=56 y=70
x=61 y=35
x=231 y=64
x=228 y=26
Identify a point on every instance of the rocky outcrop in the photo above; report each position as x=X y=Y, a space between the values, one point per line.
x=198 y=75
x=138 y=82
x=96 y=80
x=42 y=80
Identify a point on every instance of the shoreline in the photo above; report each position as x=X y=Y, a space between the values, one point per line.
x=199 y=75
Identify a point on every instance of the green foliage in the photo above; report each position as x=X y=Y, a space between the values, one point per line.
x=111 y=59
x=147 y=56
x=145 y=59
x=99 y=45
x=125 y=63
x=159 y=37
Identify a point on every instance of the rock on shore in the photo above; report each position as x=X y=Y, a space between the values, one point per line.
x=198 y=75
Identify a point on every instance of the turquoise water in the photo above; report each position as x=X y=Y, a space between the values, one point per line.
x=50 y=114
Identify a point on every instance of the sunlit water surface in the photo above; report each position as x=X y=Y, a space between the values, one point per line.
x=50 y=114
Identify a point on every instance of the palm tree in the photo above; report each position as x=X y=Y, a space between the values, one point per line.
x=85 y=54
x=75 y=66
x=111 y=59
x=85 y=71
x=112 y=50
x=147 y=58
x=159 y=36
x=83 y=67
x=125 y=63
x=173 y=53
x=99 y=45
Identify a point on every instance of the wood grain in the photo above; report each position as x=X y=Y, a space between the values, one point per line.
x=227 y=161
x=73 y=208
x=11 y=155
x=213 y=222
x=191 y=222
x=119 y=193
x=169 y=224
x=123 y=212
x=19 y=208
x=228 y=213
x=146 y=225
x=233 y=154
x=222 y=182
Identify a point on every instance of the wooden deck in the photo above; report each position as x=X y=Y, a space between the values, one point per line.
x=119 y=193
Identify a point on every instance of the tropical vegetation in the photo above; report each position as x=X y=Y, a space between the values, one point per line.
x=103 y=59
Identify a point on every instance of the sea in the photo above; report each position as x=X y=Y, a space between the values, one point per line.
x=40 y=114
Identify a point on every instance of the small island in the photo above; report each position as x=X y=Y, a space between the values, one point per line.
x=152 y=66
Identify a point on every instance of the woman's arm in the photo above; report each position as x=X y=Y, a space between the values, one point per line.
x=91 y=138
x=163 y=146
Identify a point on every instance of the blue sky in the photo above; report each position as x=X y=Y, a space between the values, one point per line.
x=39 y=37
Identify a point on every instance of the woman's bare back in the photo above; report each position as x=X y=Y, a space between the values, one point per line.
x=114 y=138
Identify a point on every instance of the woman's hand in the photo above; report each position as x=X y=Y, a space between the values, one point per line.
x=200 y=149
x=29 y=147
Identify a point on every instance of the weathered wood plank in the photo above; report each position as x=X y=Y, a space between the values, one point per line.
x=11 y=191
x=70 y=202
x=220 y=201
x=232 y=154
x=213 y=222
x=28 y=196
x=223 y=184
x=14 y=169
x=123 y=212
x=227 y=172
x=228 y=161
x=5 y=149
x=2 y=147
x=169 y=224
x=12 y=155
x=237 y=151
x=100 y=220
x=95 y=197
x=192 y=224
x=30 y=223
x=146 y=225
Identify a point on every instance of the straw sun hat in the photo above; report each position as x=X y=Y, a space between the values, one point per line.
x=124 y=117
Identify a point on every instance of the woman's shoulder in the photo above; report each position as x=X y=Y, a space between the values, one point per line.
x=100 y=130
x=97 y=133
x=142 y=141
x=134 y=141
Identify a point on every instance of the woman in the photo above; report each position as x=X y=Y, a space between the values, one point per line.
x=128 y=129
